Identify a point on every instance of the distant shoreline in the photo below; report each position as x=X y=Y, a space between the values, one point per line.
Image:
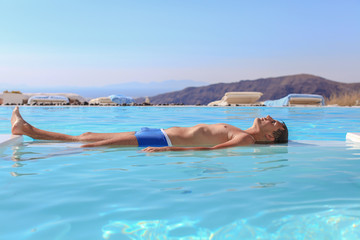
x=167 y=106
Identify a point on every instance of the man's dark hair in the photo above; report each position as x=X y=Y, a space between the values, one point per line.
x=281 y=136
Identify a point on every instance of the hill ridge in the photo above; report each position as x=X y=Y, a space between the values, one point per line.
x=272 y=88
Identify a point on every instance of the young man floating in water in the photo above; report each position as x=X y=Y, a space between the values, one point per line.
x=198 y=137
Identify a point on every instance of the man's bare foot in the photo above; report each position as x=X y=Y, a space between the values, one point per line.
x=18 y=124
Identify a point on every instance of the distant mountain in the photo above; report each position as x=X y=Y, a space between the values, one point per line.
x=142 y=89
x=132 y=89
x=272 y=88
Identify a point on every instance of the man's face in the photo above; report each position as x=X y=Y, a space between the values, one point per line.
x=268 y=124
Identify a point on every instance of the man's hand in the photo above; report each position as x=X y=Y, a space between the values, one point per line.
x=156 y=149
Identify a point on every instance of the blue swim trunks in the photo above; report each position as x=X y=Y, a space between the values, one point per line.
x=152 y=137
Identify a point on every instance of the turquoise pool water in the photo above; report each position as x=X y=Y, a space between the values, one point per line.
x=307 y=189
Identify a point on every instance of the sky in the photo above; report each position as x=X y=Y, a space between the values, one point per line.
x=96 y=43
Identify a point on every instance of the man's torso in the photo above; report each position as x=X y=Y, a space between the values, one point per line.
x=203 y=134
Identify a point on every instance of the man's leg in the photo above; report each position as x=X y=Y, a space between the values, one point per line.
x=21 y=127
x=94 y=137
x=124 y=140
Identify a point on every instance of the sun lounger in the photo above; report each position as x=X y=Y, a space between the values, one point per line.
x=121 y=99
x=73 y=97
x=297 y=100
x=102 y=101
x=237 y=98
x=45 y=100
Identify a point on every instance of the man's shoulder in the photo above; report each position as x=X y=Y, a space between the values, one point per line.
x=244 y=138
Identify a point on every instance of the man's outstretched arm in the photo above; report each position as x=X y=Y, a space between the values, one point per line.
x=243 y=141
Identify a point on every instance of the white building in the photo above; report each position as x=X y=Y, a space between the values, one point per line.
x=12 y=98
